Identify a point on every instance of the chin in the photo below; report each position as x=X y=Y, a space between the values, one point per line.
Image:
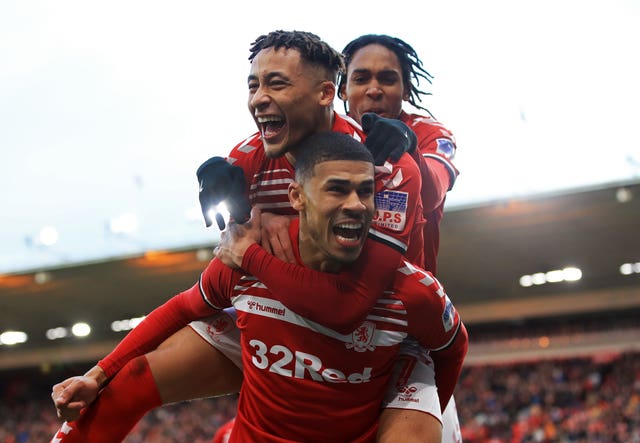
x=350 y=256
x=275 y=150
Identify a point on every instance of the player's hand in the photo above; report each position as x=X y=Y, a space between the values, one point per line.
x=73 y=395
x=236 y=239
x=275 y=236
x=387 y=137
x=220 y=181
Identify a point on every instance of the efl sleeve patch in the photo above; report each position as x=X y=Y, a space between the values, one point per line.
x=448 y=316
x=391 y=210
x=445 y=147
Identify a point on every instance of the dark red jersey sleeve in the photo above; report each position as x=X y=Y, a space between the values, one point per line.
x=447 y=364
x=337 y=301
x=434 y=155
x=435 y=323
x=172 y=316
x=399 y=219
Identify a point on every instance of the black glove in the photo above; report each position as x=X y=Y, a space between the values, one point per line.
x=220 y=181
x=387 y=138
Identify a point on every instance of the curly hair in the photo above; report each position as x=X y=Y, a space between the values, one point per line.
x=410 y=64
x=312 y=49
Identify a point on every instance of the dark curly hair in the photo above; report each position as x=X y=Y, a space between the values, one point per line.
x=410 y=63
x=312 y=49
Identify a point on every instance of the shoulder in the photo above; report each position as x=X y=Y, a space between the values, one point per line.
x=346 y=125
x=419 y=288
x=425 y=124
x=219 y=277
x=410 y=275
x=249 y=149
x=434 y=139
x=432 y=317
x=250 y=156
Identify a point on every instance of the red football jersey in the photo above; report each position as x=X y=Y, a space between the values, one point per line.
x=398 y=224
x=398 y=221
x=435 y=153
x=306 y=382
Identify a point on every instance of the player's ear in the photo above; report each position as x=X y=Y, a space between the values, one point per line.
x=342 y=93
x=407 y=95
x=327 y=92
x=296 y=196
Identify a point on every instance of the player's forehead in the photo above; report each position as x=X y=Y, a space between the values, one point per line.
x=355 y=172
x=374 y=57
x=287 y=62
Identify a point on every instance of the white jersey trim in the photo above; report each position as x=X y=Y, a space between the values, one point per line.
x=267 y=307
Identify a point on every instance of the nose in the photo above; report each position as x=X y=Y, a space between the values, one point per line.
x=259 y=99
x=354 y=203
x=374 y=91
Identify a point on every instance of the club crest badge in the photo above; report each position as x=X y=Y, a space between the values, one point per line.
x=362 y=337
x=219 y=325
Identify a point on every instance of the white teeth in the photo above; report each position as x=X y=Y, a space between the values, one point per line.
x=350 y=226
x=269 y=119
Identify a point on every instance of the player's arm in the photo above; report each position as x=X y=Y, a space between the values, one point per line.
x=240 y=247
x=346 y=298
x=436 y=324
x=398 y=221
x=206 y=297
x=75 y=393
x=448 y=364
x=434 y=156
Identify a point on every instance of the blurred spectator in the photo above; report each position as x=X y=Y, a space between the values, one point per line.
x=573 y=400
x=589 y=399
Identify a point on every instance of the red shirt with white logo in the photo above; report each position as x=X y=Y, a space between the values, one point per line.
x=397 y=228
x=306 y=382
x=397 y=231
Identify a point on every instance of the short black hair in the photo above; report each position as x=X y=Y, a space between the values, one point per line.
x=311 y=47
x=410 y=64
x=327 y=146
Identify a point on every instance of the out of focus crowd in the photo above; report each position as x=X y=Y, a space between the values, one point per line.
x=594 y=399
x=590 y=399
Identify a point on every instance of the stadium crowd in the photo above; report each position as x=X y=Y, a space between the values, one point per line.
x=592 y=399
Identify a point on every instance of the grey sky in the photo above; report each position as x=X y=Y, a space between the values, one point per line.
x=108 y=108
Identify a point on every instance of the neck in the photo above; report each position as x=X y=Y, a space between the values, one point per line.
x=314 y=258
x=325 y=124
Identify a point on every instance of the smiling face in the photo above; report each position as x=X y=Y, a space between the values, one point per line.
x=289 y=99
x=374 y=83
x=336 y=205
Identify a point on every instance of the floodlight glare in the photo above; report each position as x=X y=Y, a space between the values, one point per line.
x=13 y=337
x=81 y=329
x=572 y=274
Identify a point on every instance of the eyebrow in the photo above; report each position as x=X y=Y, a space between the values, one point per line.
x=270 y=76
x=368 y=71
x=343 y=182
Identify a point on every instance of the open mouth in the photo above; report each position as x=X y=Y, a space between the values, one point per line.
x=376 y=110
x=348 y=234
x=270 y=126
